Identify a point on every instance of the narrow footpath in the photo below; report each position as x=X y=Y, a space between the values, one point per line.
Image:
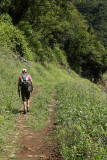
x=40 y=145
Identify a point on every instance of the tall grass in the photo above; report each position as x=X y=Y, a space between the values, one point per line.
x=81 y=117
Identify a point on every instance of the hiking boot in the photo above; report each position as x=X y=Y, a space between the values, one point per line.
x=24 y=111
x=28 y=110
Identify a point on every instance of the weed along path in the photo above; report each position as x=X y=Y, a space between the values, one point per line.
x=37 y=145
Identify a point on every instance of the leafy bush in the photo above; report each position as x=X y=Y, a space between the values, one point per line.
x=5 y=18
x=11 y=37
x=60 y=55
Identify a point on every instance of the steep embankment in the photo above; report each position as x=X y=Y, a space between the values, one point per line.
x=79 y=126
x=44 y=77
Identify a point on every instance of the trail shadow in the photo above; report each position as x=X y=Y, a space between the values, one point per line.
x=18 y=111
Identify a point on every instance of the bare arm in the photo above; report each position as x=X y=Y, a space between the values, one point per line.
x=32 y=84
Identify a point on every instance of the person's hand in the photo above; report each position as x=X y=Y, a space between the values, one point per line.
x=18 y=90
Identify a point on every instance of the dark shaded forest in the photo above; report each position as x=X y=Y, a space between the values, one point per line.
x=55 y=31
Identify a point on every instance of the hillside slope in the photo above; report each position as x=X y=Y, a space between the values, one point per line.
x=80 y=111
x=52 y=31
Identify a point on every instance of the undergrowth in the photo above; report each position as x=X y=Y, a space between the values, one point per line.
x=12 y=38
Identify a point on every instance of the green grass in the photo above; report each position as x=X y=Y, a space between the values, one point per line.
x=81 y=118
x=80 y=111
x=44 y=77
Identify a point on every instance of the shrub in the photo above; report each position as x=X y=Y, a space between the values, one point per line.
x=11 y=37
x=5 y=18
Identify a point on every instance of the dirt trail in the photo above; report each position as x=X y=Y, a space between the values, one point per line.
x=40 y=145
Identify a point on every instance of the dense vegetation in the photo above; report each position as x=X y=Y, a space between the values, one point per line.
x=95 y=13
x=81 y=117
x=54 y=37
x=55 y=32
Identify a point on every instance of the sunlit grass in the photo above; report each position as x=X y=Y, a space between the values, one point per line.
x=81 y=118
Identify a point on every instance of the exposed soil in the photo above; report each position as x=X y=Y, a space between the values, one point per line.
x=40 y=145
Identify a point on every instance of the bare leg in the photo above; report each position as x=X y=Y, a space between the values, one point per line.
x=28 y=102
x=24 y=103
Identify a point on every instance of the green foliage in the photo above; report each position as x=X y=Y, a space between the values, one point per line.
x=5 y=18
x=4 y=5
x=56 y=32
x=60 y=25
x=11 y=37
x=81 y=118
x=60 y=55
x=95 y=13
x=84 y=52
x=40 y=46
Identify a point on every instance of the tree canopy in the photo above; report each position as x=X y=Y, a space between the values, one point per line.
x=57 y=32
x=95 y=13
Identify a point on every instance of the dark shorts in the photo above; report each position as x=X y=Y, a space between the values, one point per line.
x=25 y=94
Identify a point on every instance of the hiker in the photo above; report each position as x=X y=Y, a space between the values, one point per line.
x=26 y=84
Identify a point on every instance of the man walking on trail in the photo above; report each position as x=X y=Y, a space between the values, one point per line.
x=26 y=84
